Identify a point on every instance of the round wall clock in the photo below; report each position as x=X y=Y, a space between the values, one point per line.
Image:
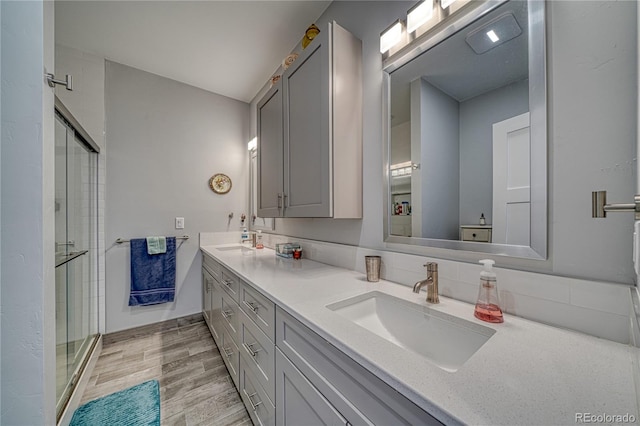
x=220 y=183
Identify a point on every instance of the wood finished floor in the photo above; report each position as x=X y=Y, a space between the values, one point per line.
x=195 y=387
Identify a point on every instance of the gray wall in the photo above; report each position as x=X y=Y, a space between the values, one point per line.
x=439 y=134
x=593 y=86
x=591 y=54
x=27 y=357
x=477 y=116
x=164 y=141
x=86 y=101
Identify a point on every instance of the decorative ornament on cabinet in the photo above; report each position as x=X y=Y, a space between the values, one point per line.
x=274 y=80
x=309 y=35
x=286 y=63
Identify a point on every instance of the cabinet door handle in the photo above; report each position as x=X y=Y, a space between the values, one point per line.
x=249 y=348
x=251 y=306
x=254 y=405
x=284 y=205
x=227 y=314
x=227 y=283
x=227 y=352
x=279 y=201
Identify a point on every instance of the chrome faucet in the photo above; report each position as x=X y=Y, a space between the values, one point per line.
x=431 y=282
x=251 y=239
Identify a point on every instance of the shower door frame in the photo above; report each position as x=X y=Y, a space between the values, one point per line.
x=81 y=137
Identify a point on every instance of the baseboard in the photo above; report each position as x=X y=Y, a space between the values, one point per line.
x=76 y=397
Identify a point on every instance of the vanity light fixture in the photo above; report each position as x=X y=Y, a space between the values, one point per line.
x=391 y=36
x=446 y=3
x=492 y=36
x=419 y=14
x=253 y=144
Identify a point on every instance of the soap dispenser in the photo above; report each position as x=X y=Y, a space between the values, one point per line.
x=488 y=304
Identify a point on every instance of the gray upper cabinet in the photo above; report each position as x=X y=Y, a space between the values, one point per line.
x=270 y=150
x=310 y=133
x=306 y=130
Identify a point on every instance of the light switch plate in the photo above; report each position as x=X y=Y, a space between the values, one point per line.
x=179 y=222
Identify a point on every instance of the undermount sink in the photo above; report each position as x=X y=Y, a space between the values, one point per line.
x=445 y=340
x=243 y=249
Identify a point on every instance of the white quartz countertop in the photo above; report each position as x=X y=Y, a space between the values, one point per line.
x=527 y=373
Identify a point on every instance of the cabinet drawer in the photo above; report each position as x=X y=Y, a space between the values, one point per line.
x=298 y=402
x=476 y=234
x=260 y=309
x=356 y=393
x=258 y=351
x=229 y=311
x=215 y=315
x=207 y=285
x=230 y=355
x=212 y=265
x=260 y=408
x=230 y=283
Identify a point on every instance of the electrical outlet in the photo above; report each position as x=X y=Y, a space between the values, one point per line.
x=179 y=222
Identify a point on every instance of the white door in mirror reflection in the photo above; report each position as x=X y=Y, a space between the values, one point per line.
x=511 y=181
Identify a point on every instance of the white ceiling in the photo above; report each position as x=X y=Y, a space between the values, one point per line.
x=226 y=47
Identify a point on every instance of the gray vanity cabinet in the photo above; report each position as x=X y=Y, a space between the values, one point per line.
x=230 y=354
x=298 y=402
x=211 y=300
x=230 y=316
x=207 y=284
x=258 y=405
x=287 y=374
x=359 y=396
x=310 y=150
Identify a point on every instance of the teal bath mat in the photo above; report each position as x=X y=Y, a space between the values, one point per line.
x=136 y=406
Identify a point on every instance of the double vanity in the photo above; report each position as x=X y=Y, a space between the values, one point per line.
x=309 y=343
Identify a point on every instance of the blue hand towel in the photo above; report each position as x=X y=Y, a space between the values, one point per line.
x=153 y=277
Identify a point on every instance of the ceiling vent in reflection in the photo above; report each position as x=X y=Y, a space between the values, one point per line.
x=493 y=34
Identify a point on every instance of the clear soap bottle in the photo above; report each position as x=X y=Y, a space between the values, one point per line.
x=488 y=304
x=259 y=242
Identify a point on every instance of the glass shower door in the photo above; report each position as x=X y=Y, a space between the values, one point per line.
x=76 y=275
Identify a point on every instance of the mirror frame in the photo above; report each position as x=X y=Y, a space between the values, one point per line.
x=538 y=130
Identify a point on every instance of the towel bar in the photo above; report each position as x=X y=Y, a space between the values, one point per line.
x=120 y=240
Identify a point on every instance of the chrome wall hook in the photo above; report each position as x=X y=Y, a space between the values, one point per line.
x=51 y=80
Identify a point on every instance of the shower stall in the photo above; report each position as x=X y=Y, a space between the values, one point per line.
x=76 y=234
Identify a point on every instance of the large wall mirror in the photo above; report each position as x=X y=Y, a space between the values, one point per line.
x=466 y=164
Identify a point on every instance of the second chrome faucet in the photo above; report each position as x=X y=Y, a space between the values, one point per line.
x=431 y=282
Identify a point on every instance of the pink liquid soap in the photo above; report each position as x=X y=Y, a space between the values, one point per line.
x=488 y=312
